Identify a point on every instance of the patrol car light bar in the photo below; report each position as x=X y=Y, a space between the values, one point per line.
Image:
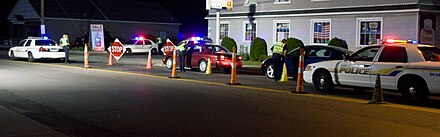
x=395 y=41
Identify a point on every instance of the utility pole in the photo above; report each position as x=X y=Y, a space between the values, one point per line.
x=42 y=26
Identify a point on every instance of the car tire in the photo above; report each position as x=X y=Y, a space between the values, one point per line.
x=12 y=55
x=154 y=51
x=169 y=63
x=323 y=81
x=30 y=57
x=270 y=71
x=414 y=90
x=203 y=65
x=128 y=51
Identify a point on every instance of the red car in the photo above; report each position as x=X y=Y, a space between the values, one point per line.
x=221 y=58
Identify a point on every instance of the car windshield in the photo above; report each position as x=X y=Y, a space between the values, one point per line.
x=217 y=49
x=430 y=53
x=133 y=41
x=45 y=42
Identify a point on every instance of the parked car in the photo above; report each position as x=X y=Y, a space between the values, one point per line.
x=314 y=53
x=411 y=69
x=140 y=45
x=221 y=58
x=34 y=48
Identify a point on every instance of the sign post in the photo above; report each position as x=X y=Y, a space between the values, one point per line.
x=116 y=50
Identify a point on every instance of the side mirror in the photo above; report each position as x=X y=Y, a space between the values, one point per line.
x=346 y=57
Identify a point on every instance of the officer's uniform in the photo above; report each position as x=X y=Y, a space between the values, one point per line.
x=64 y=42
x=277 y=54
x=159 y=43
x=181 y=56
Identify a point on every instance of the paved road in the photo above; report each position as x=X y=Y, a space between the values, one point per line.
x=131 y=101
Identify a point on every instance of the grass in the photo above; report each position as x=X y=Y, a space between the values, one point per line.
x=252 y=63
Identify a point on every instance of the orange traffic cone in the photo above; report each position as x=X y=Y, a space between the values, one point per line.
x=110 y=59
x=149 y=61
x=233 y=69
x=299 y=79
x=86 y=57
x=173 y=71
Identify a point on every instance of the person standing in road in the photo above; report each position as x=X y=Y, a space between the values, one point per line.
x=64 y=42
x=279 y=51
x=159 y=43
x=181 y=55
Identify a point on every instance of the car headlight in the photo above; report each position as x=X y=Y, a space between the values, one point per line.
x=308 y=68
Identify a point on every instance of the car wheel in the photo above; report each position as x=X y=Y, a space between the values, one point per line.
x=414 y=90
x=323 y=81
x=12 y=55
x=30 y=57
x=202 y=66
x=169 y=63
x=128 y=51
x=270 y=71
x=154 y=51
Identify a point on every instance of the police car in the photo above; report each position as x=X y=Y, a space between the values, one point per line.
x=34 y=48
x=403 y=65
x=140 y=45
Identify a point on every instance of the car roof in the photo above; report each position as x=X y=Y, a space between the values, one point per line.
x=346 y=51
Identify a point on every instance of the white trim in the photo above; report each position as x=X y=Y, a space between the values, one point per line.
x=320 y=0
x=275 y=28
x=229 y=28
x=244 y=30
x=282 y=2
x=358 y=20
x=115 y=21
x=312 y=30
x=326 y=8
x=319 y=14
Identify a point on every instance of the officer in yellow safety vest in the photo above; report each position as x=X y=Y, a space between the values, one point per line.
x=159 y=42
x=64 y=42
x=279 y=51
x=181 y=55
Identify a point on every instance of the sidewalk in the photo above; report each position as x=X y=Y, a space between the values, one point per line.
x=14 y=124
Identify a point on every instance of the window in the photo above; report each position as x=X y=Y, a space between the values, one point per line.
x=369 y=31
x=250 y=2
x=365 y=54
x=430 y=53
x=321 y=31
x=44 y=43
x=282 y=30
x=28 y=43
x=282 y=1
x=147 y=42
x=393 y=54
x=224 y=30
x=22 y=43
x=250 y=31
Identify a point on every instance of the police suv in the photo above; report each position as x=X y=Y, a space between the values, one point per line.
x=412 y=69
x=34 y=48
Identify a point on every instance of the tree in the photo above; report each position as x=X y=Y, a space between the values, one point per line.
x=293 y=43
x=258 y=49
x=228 y=43
x=338 y=43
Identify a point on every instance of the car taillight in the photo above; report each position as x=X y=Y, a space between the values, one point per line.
x=222 y=57
x=239 y=57
x=42 y=49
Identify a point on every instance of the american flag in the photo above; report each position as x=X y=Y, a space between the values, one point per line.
x=322 y=31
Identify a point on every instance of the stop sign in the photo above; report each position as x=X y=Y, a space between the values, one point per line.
x=116 y=49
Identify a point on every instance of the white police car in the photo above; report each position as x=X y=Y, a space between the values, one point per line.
x=140 y=45
x=34 y=48
x=410 y=68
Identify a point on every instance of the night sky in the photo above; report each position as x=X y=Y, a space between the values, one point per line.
x=190 y=13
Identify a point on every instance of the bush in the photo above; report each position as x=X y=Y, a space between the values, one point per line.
x=338 y=43
x=258 y=49
x=244 y=56
x=293 y=43
x=228 y=43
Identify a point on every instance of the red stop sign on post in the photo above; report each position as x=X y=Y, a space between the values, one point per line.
x=116 y=49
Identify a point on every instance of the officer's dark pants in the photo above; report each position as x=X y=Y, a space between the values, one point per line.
x=277 y=68
x=181 y=56
x=66 y=50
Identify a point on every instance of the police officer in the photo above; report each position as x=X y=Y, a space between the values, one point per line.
x=159 y=42
x=64 y=42
x=181 y=55
x=279 y=51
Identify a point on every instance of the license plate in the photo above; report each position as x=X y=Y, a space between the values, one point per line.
x=54 y=49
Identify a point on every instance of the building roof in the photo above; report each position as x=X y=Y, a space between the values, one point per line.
x=115 y=10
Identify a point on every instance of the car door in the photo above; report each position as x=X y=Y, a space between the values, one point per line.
x=147 y=45
x=391 y=62
x=197 y=53
x=19 y=49
x=355 y=71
